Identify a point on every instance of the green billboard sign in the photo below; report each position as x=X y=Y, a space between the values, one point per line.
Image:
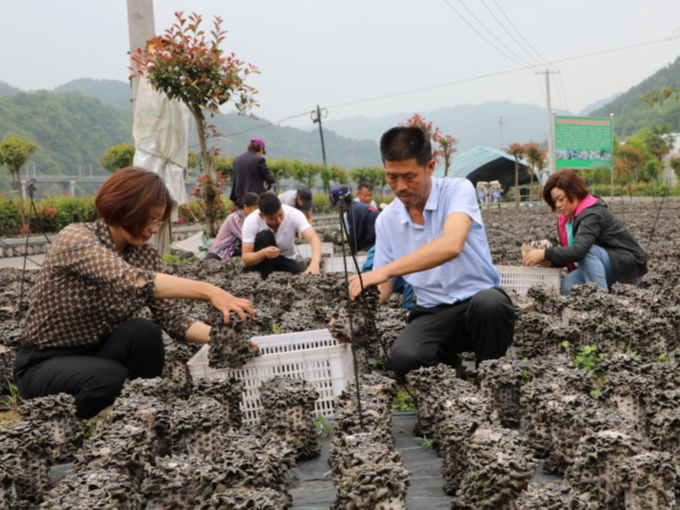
x=584 y=142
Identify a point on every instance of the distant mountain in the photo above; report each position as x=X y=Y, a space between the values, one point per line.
x=111 y=92
x=632 y=114
x=6 y=88
x=288 y=142
x=473 y=125
x=597 y=105
x=72 y=130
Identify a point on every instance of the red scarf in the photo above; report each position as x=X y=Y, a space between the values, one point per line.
x=562 y=222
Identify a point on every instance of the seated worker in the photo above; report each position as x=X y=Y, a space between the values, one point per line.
x=227 y=244
x=269 y=239
x=365 y=194
x=482 y=187
x=300 y=199
x=596 y=245
x=359 y=219
x=434 y=237
x=80 y=336
x=496 y=191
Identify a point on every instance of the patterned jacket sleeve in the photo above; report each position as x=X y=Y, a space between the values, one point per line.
x=167 y=313
x=78 y=250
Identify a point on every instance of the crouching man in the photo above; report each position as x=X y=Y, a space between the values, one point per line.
x=269 y=238
x=434 y=237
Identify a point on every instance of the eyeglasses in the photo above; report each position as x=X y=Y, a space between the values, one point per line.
x=157 y=223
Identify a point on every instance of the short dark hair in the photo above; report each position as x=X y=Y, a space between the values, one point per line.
x=249 y=199
x=570 y=182
x=365 y=185
x=127 y=197
x=402 y=143
x=269 y=204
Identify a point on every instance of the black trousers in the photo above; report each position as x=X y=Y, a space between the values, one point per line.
x=264 y=239
x=483 y=324
x=93 y=375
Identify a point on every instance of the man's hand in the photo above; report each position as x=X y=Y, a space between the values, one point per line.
x=270 y=252
x=370 y=279
x=226 y=302
x=313 y=268
x=534 y=258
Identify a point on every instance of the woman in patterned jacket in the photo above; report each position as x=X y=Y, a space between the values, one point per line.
x=79 y=336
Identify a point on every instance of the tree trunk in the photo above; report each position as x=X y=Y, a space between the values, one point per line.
x=531 y=184
x=16 y=177
x=516 y=183
x=207 y=169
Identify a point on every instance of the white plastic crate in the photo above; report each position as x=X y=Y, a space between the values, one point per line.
x=305 y=250
x=336 y=265
x=314 y=356
x=521 y=279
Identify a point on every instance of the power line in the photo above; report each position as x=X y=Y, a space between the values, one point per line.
x=541 y=58
x=498 y=73
x=502 y=25
x=564 y=93
x=269 y=124
x=466 y=80
x=481 y=34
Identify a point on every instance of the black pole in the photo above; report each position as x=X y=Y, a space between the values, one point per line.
x=316 y=118
x=349 y=314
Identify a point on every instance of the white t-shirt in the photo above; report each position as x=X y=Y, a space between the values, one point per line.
x=293 y=222
x=288 y=198
x=372 y=204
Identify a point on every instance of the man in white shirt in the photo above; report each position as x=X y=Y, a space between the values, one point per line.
x=300 y=199
x=365 y=194
x=269 y=238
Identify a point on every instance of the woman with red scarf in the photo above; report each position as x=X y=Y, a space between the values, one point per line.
x=595 y=245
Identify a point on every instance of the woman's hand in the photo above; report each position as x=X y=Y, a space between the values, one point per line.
x=534 y=258
x=226 y=302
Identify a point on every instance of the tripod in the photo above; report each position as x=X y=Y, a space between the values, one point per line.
x=31 y=208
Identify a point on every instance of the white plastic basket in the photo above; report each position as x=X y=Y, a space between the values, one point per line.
x=521 y=279
x=336 y=265
x=305 y=250
x=314 y=356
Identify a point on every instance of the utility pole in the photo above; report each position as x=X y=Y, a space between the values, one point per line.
x=551 y=122
x=141 y=28
x=501 y=121
x=316 y=117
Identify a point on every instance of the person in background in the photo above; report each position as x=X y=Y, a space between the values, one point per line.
x=433 y=235
x=359 y=219
x=595 y=245
x=496 y=191
x=300 y=199
x=251 y=174
x=269 y=239
x=365 y=194
x=80 y=336
x=227 y=244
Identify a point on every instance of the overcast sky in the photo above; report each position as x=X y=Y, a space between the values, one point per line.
x=335 y=52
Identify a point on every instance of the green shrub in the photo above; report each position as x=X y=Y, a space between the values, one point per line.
x=10 y=218
x=639 y=189
x=320 y=203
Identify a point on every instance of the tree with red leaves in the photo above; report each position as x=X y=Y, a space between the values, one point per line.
x=516 y=150
x=443 y=146
x=185 y=66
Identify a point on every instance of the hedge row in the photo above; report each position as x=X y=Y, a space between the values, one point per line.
x=54 y=213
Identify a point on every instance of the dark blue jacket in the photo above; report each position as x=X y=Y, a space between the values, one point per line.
x=361 y=223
